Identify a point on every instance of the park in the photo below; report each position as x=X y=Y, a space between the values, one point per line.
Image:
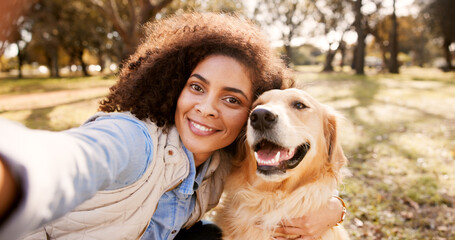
x=398 y=128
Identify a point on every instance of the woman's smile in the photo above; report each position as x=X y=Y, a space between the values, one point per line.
x=200 y=129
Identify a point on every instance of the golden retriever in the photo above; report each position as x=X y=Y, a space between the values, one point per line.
x=292 y=167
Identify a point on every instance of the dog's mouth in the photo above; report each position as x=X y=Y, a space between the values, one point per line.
x=274 y=159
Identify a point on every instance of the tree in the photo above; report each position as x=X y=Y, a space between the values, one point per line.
x=44 y=20
x=63 y=32
x=224 y=6
x=332 y=18
x=77 y=38
x=441 y=18
x=360 y=28
x=414 y=39
x=11 y=18
x=393 y=64
x=287 y=16
x=386 y=35
x=127 y=17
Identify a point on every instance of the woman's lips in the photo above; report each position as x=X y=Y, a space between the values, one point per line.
x=200 y=129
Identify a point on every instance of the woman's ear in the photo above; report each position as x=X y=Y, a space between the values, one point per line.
x=335 y=152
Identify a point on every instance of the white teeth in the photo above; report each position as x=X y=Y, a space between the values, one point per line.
x=202 y=128
x=277 y=157
x=275 y=160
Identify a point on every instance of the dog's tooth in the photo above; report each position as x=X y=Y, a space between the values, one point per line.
x=256 y=156
x=277 y=157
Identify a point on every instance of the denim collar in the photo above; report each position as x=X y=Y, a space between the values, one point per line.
x=194 y=179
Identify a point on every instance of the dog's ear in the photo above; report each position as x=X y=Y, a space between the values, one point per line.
x=335 y=153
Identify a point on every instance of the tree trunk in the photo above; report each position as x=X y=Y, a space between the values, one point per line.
x=393 y=64
x=54 y=70
x=342 y=48
x=101 y=61
x=288 y=51
x=385 y=60
x=20 y=61
x=448 y=54
x=359 y=54
x=80 y=53
x=328 y=67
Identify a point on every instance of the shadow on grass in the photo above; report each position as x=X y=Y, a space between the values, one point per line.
x=393 y=204
x=38 y=109
x=33 y=85
x=39 y=118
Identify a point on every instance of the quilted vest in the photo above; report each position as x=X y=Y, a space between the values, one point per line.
x=126 y=212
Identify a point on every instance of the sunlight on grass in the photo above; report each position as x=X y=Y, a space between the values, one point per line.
x=399 y=136
x=36 y=85
x=55 y=118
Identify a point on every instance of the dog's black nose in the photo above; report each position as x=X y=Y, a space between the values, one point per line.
x=262 y=119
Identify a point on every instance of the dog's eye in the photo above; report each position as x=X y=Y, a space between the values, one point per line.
x=299 y=105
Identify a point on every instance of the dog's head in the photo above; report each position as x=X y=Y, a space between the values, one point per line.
x=288 y=131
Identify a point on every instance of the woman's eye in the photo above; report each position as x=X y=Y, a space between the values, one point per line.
x=196 y=87
x=299 y=105
x=232 y=100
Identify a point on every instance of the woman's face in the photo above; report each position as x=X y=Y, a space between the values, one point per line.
x=213 y=106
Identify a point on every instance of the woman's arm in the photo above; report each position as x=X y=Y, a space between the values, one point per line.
x=312 y=226
x=57 y=171
x=9 y=190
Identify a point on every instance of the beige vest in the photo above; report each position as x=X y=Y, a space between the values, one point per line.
x=125 y=213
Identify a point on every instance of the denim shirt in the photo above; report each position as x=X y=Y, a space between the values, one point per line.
x=175 y=206
x=106 y=154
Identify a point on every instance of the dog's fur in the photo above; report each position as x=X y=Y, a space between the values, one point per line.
x=257 y=198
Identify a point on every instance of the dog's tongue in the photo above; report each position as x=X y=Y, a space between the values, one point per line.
x=273 y=156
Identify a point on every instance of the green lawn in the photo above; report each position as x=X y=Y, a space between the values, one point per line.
x=52 y=103
x=398 y=134
x=37 y=85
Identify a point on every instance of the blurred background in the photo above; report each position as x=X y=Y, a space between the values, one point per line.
x=387 y=66
x=58 y=37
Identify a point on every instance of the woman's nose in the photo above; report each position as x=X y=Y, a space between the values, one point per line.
x=207 y=107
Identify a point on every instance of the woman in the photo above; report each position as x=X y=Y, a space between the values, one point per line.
x=154 y=160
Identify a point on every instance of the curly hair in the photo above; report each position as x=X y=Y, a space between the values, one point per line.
x=153 y=77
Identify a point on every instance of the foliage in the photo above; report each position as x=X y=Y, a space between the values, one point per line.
x=287 y=16
x=306 y=54
x=224 y=6
x=127 y=18
x=439 y=14
x=60 y=33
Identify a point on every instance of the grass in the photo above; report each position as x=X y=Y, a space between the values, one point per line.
x=52 y=103
x=36 y=85
x=398 y=134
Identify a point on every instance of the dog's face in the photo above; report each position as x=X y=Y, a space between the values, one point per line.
x=290 y=131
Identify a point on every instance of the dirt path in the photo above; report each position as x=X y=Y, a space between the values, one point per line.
x=48 y=99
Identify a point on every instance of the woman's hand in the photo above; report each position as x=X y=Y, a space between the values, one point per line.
x=8 y=190
x=313 y=225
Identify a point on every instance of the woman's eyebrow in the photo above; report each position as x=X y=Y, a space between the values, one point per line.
x=230 y=89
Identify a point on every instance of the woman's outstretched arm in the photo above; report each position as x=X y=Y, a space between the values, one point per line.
x=9 y=190
x=57 y=171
